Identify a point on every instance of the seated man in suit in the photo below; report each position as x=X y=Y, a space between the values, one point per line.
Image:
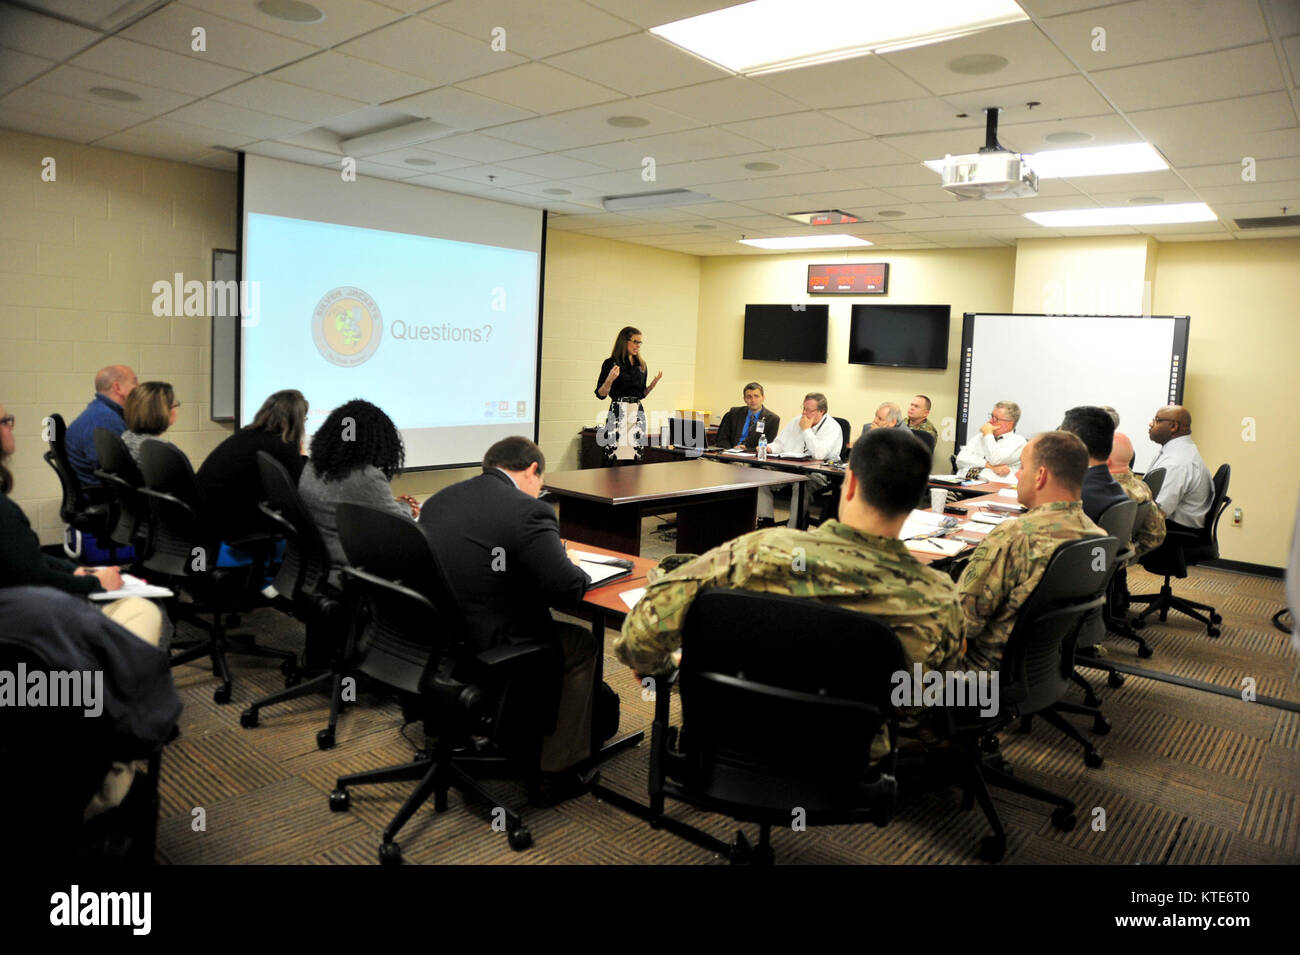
x=814 y=434
x=1188 y=491
x=856 y=562
x=500 y=548
x=1148 y=535
x=1008 y=564
x=112 y=386
x=1097 y=432
x=739 y=428
x=994 y=452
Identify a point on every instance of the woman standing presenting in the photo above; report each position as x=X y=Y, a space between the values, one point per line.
x=623 y=380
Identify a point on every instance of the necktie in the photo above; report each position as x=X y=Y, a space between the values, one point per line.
x=749 y=420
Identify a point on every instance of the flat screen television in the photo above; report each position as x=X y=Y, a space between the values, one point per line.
x=899 y=336
x=786 y=332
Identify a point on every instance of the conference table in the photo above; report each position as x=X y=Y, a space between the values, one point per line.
x=714 y=502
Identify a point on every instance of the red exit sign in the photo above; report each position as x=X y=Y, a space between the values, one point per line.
x=851 y=278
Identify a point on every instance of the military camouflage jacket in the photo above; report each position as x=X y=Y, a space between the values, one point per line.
x=838 y=565
x=1005 y=569
x=926 y=427
x=1150 y=534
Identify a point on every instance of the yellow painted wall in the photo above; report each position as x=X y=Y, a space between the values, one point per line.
x=1101 y=275
x=968 y=279
x=1244 y=301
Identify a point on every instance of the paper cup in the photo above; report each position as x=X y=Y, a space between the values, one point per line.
x=938 y=498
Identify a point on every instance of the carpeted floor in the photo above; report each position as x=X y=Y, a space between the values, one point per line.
x=1189 y=776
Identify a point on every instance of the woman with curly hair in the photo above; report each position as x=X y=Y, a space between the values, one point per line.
x=354 y=455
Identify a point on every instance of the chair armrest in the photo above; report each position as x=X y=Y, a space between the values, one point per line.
x=511 y=654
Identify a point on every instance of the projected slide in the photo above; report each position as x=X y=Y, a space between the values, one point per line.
x=1049 y=363
x=440 y=334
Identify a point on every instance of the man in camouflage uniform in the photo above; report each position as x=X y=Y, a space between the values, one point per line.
x=856 y=562
x=918 y=416
x=1009 y=562
x=1148 y=536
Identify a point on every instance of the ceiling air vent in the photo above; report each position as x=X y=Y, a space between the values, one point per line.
x=1268 y=222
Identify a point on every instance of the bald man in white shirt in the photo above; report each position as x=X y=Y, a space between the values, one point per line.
x=1188 y=491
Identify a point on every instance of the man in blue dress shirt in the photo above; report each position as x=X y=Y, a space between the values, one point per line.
x=112 y=385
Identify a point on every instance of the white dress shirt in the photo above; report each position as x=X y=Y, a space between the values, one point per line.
x=984 y=448
x=823 y=440
x=1188 y=490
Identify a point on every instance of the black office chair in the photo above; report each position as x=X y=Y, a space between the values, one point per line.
x=848 y=437
x=122 y=477
x=408 y=634
x=1117 y=521
x=1154 y=481
x=724 y=424
x=302 y=585
x=185 y=548
x=1181 y=550
x=1036 y=669
x=88 y=510
x=764 y=731
x=925 y=437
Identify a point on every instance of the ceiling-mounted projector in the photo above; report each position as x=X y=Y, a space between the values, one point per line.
x=991 y=173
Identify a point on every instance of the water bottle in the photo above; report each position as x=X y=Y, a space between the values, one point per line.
x=762 y=444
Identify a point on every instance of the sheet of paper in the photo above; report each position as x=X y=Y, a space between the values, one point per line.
x=1006 y=479
x=630 y=597
x=985 y=517
x=947 y=478
x=938 y=545
x=133 y=587
x=741 y=454
x=1009 y=492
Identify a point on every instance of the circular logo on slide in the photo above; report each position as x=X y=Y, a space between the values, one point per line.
x=347 y=326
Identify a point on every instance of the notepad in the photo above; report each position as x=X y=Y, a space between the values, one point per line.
x=943 y=546
x=601 y=568
x=630 y=597
x=133 y=587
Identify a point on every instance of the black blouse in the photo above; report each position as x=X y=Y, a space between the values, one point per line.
x=628 y=386
x=232 y=484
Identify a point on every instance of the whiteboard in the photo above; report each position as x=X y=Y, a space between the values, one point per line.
x=224 y=351
x=1050 y=363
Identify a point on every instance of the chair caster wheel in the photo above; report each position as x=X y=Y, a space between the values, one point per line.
x=1115 y=680
x=292 y=679
x=1215 y=618
x=993 y=848
x=1212 y=631
x=1101 y=726
x=1145 y=651
x=390 y=853
x=1063 y=819
x=1092 y=759
x=520 y=839
x=325 y=739
x=221 y=694
x=248 y=719
x=340 y=800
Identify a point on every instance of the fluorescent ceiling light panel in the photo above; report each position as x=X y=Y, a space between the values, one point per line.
x=1087 y=161
x=1125 y=215
x=653 y=200
x=768 y=35
x=806 y=242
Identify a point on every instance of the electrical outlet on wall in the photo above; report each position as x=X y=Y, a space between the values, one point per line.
x=1236 y=517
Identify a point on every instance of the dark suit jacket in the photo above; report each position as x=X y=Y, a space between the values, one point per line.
x=1100 y=491
x=501 y=551
x=734 y=423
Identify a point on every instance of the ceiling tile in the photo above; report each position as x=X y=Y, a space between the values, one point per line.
x=155 y=67
x=77 y=83
x=849 y=155
x=637 y=64
x=770 y=186
x=588 y=126
x=154 y=144
x=443 y=162
x=311 y=157
x=1109 y=129
x=688 y=145
x=18 y=67
x=897 y=174
x=1230 y=174
x=176 y=133
x=1061 y=97
x=103 y=116
x=44 y=36
x=1193 y=79
x=497 y=177
x=236 y=119
x=1240 y=127
x=540 y=88
x=351 y=78
x=1284 y=192
x=483 y=148
x=536 y=30
x=1030 y=56
x=728 y=168
x=1138 y=183
x=344 y=19
x=44 y=123
x=1149 y=30
x=907 y=116
x=796 y=129
x=286 y=99
x=459 y=108
x=430 y=51
x=859 y=81
x=553 y=166
x=661 y=11
x=227 y=42
x=723 y=101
